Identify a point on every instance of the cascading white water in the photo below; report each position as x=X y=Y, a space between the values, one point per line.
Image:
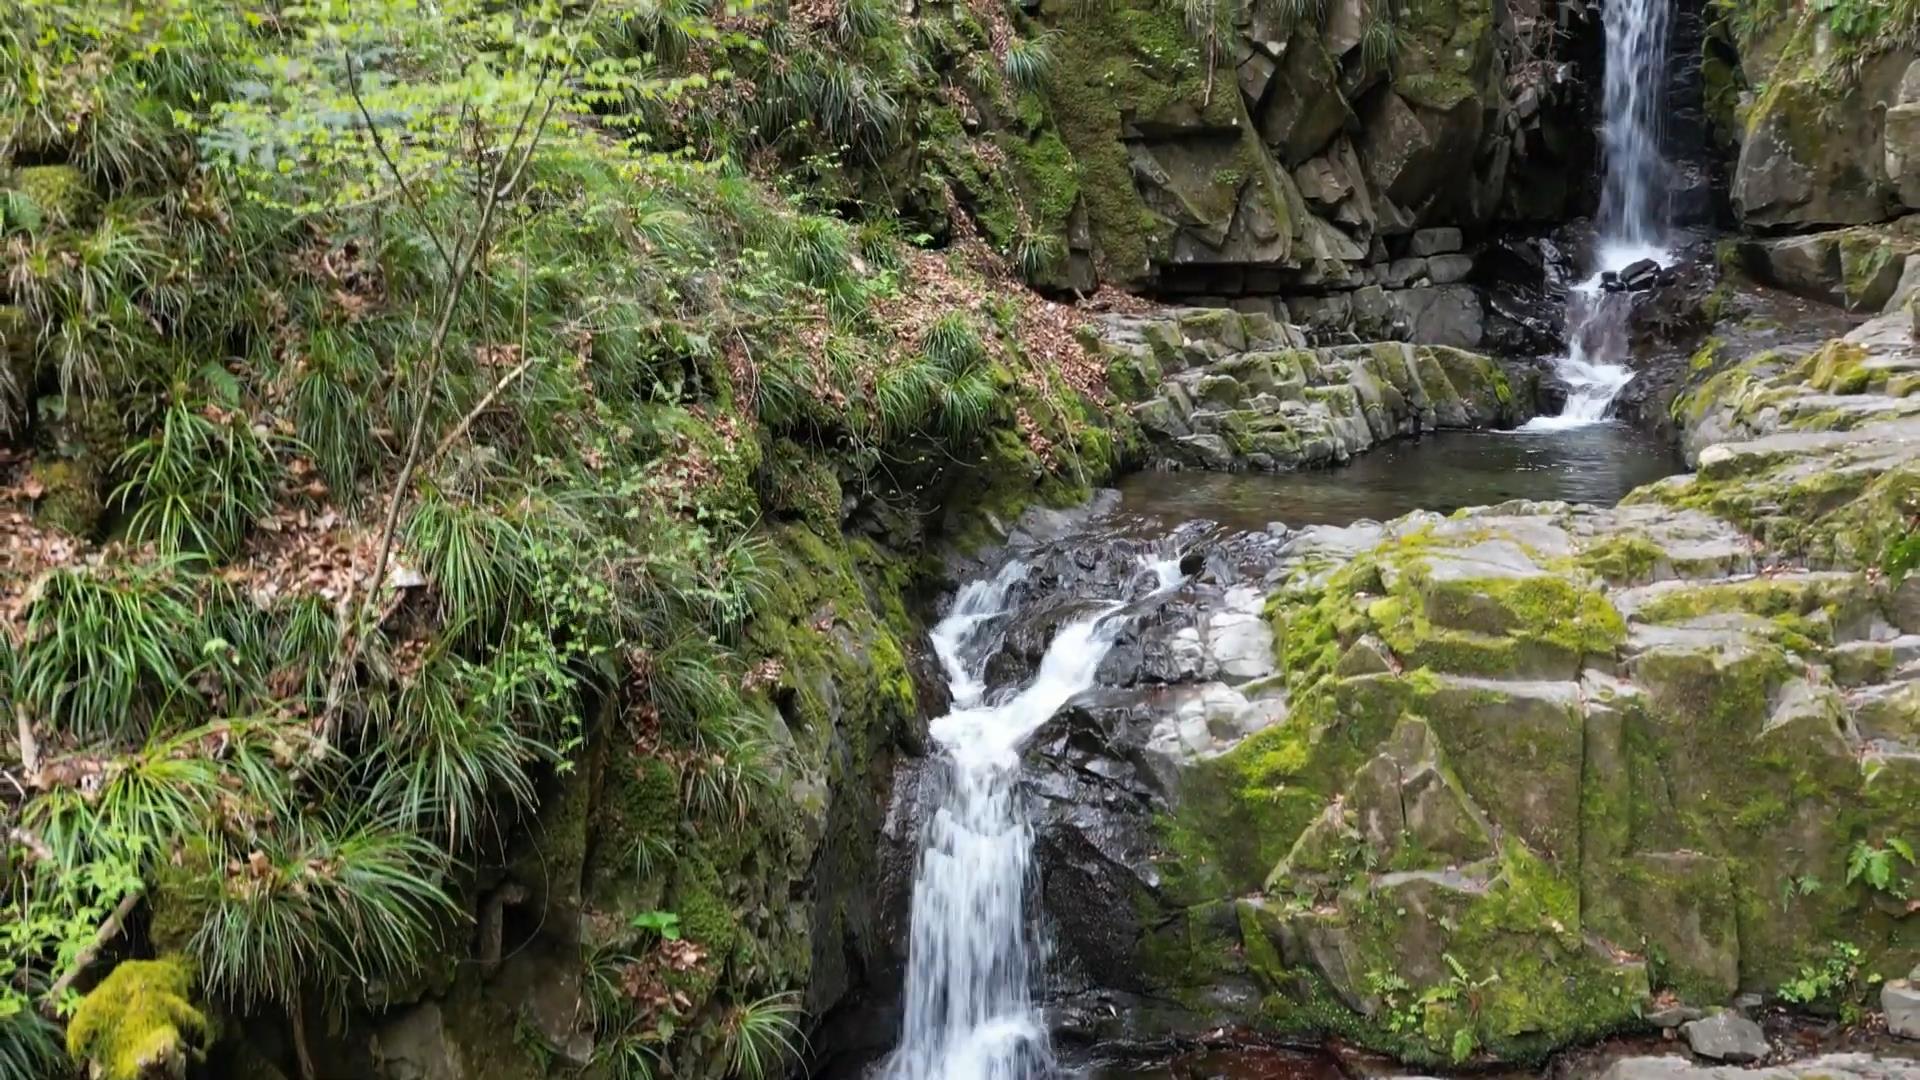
x=969 y=1009
x=1633 y=218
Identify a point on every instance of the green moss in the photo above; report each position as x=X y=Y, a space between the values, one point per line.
x=1839 y=368
x=69 y=496
x=140 y=1021
x=1622 y=559
x=1119 y=64
x=60 y=192
x=797 y=482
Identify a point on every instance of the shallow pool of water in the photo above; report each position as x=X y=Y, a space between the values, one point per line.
x=1598 y=463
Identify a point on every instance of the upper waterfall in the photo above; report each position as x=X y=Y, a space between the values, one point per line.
x=1632 y=222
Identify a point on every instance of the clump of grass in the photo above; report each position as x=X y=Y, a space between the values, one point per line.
x=326 y=900
x=1029 y=61
x=103 y=648
x=198 y=482
x=763 y=1036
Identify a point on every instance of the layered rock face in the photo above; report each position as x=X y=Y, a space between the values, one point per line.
x=1309 y=152
x=1820 y=112
x=1216 y=389
x=1493 y=782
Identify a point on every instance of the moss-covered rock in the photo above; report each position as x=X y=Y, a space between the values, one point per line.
x=62 y=194
x=140 y=1023
x=1588 y=751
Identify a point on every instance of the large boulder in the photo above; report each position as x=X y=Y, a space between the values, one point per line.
x=1236 y=391
x=1828 y=134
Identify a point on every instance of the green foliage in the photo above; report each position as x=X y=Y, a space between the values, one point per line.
x=29 y=1042
x=665 y=924
x=1832 y=985
x=455 y=261
x=1879 y=865
x=198 y=482
x=763 y=1036
x=105 y=647
x=1029 y=61
x=329 y=901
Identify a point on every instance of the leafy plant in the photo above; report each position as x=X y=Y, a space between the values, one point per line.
x=329 y=901
x=103 y=647
x=1834 y=983
x=198 y=482
x=665 y=924
x=1876 y=865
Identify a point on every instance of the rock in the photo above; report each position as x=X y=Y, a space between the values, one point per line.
x=1447 y=269
x=1439 y=241
x=1672 y=1016
x=1404 y=272
x=415 y=1045
x=1726 y=1036
x=1640 y=276
x=1900 y=1000
x=1442 y=315
x=1826 y=1067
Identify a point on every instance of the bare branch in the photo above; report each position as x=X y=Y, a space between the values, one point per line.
x=393 y=167
x=486 y=401
x=109 y=930
x=29 y=745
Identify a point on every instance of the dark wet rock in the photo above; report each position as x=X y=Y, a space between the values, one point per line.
x=1726 y=1036
x=1640 y=276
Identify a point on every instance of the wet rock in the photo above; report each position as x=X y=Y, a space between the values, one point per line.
x=415 y=1045
x=1726 y=1036
x=1447 y=269
x=1672 y=1016
x=1826 y=1067
x=1640 y=276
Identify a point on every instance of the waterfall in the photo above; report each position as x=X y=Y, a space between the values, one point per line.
x=970 y=1013
x=1632 y=220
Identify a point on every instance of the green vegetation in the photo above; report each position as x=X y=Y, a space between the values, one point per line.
x=429 y=427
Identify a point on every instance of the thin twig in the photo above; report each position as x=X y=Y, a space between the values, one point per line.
x=358 y=600
x=109 y=930
x=485 y=402
x=380 y=147
x=29 y=746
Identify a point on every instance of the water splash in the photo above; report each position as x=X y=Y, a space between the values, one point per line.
x=970 y=1013
x=1633 y=212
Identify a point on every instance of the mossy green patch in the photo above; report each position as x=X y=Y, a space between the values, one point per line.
x=139 y=1022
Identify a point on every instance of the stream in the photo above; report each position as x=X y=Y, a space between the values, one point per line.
x=978 y=958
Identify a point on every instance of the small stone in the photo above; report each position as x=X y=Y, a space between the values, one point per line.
x=1672 y=1016
x=1726 y=1036
x=1404 y=272
x=1447 y=269
x=1435 y=241
x=1900 y=1000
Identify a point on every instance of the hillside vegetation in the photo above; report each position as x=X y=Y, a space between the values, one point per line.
x=438 y=437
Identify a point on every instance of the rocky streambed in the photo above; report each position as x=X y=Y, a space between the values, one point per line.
x=1467 y=787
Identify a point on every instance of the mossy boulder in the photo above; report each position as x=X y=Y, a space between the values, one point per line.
x=1586 y=751
x=69 y=495
x=60 y=194
x=140 y=1023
